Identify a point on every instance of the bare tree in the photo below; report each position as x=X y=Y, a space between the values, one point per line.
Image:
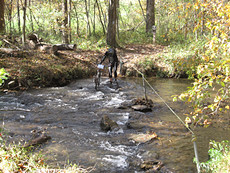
x=2 y=21
x=111 y=30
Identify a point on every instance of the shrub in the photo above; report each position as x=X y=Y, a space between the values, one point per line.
x=219 y=158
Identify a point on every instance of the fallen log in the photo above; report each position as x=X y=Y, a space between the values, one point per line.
x=39 y=140
x=36 y=43
x=54 y=48
x=65 y=46
x=12 y=52
x=8 y=50
x=11 y=44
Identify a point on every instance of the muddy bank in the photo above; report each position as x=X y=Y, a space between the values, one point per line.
x=39 y=69
x=36 y=69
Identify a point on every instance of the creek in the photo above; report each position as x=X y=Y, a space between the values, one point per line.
x=71 y=115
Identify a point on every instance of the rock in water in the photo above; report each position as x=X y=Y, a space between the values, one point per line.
x=152 y=165
x=142 y=138
x=39 y=140
x=107 y=124
x=142 y=108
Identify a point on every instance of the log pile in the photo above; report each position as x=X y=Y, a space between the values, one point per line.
x=34 y=43
x=37 y=44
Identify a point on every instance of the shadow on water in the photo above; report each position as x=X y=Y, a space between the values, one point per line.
x=71 y=115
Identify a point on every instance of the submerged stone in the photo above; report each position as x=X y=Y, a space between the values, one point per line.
x=142 y=108
x=152 y=165
x=142 y=138
x=107 y=124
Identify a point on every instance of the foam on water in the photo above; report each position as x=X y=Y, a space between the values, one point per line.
x=118 y=161
x=115 y=101
x=96 y=96
x=118 y=149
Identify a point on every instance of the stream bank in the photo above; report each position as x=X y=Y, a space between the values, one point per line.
x=36 y=69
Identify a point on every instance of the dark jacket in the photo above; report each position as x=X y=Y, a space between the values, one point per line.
x=112 y=55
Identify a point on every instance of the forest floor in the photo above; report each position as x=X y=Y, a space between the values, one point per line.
x=40 y=69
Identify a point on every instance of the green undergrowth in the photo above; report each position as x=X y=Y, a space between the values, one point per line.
x=219 y=161
x=178 y=60
x=183 y=58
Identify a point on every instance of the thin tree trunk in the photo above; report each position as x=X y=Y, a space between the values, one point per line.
x=31 y=17
x=10 y=16
x=117 y=19
x=19 y=20
x=143 y=13
x=65 y=22
x=87 y=16
x=69 y=19
x=94 y=18
x=24 y=23
x=100 y=13
x=2 y=20
x=78 y=29
x=104 y=14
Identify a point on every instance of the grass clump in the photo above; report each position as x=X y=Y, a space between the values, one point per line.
x=16 y=158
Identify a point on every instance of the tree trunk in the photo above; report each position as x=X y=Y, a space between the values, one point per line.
x=69 y=19
x=2 y=21
x=88 y=21
x=24 y=24
x=94 y=18
x=118 y=12
x=31 y=17
x=65 y=22
x=142 y=11
x=111 y=30
x=100 y=14
x=10 y=6
x=150 y=15
x=78 y=29
x=19 y=21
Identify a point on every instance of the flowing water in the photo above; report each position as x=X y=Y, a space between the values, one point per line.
x=71 y=115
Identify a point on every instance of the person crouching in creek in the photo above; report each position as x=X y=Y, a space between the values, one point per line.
x=111 y=54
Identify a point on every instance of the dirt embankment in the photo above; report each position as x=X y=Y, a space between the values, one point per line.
x=39 y=69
